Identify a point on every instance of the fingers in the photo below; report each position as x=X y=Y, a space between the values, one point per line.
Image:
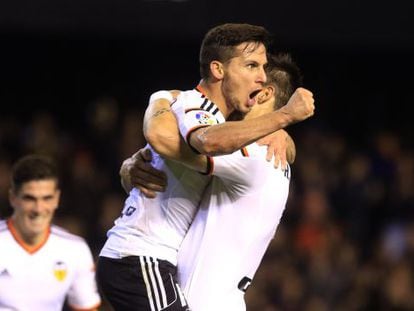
x=264 y=141
x=150 y=186
x=308 y=99
x=142 y=165
x=149 y=178
x=143 y=154
x=145 y=170
x=276 y=154
x=269 y=154
x=305 y=92
x=147 y=193
x=147 y=155
x=282 y=160
x=276 y=161
x=300 y=105
x=140 y=174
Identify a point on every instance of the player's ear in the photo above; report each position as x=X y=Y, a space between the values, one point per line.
x=216 y=69
x=267 y=93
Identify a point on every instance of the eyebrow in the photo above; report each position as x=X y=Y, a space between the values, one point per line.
x=31 y=197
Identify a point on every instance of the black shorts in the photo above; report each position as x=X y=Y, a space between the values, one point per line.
x=140 y=283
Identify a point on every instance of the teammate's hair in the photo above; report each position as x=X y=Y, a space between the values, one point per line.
x=33 y=168
x=284 y=75
x=219 y=43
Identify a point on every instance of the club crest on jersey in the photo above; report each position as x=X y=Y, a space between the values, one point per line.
x=205 y=118
x=60 y=271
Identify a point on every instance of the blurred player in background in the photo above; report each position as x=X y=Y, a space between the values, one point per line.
x=41 y=264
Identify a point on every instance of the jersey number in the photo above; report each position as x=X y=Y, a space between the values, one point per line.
x=129 y=211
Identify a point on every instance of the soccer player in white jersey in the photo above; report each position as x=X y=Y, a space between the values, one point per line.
x=41 y=265
x=239 y=212
x=137 y=265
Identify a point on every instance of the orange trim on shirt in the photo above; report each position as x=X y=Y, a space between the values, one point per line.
x=28 y=248
x=94 y=308
x=201 y=90
x=244 y=152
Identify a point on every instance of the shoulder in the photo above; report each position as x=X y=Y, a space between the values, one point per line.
x=70 y=241
x=260 y=168
x=191 y=99
x=65 y=235
x=193 y=105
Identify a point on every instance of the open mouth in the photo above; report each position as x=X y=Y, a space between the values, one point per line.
x=252 y=97
x=254 y=93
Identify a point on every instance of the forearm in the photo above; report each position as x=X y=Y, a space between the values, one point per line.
x=230 y=136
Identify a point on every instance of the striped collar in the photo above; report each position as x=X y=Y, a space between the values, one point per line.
x=209 y=106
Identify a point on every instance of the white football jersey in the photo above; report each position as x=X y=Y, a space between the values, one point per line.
x=231 y=231
x=40 y=279
x=156 y=227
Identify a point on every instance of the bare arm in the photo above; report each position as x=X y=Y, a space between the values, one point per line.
x=162 y=133
x=161 y=129
x=209 y=140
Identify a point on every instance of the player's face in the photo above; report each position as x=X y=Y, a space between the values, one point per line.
x=34 y=206
x=244 y=76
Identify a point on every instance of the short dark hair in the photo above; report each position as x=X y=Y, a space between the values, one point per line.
x=219 y=43
x=33 y=167
x=285 y=75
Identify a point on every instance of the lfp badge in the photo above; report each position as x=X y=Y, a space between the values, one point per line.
x=205 y=118
x=60 y=271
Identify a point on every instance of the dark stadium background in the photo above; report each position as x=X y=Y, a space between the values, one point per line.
x=62 y=61
x=356 y=55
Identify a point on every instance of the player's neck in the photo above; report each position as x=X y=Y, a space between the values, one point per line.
x=28 y=239
x=212 y=90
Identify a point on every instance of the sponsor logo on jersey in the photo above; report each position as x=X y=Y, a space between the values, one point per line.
x=205 y=118
x=60 y=271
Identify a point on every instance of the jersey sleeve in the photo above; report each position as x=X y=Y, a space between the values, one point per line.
x=245 y=168
x=240 y=170
x=191 y=116
x=83 y=293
